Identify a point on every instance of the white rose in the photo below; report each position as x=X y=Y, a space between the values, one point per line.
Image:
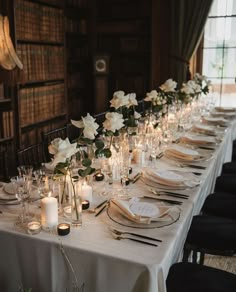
x=114 y=121
x=151 y=95
x=57 y=145
x=196 y=87
x=169 y=85
x=187 y=89
x=132 y=99
x=119 y=99
x=89 y=125
x=64 y=151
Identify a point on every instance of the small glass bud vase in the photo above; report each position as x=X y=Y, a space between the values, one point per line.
x=76 y=210
x=76 y=204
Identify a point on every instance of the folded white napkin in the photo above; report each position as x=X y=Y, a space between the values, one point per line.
x=201 y=128
x=199 y=139
x=225 y=109
x=225 y=115
x=184 y=153
x=142 y=212
x=215 y=120
x=165 y=177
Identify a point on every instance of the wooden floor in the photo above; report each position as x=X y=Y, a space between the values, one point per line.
x=223 y=263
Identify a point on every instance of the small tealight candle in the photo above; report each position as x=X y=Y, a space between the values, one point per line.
x=34 y=227
x=63 y=229
x=85 y=205
x=99 y=176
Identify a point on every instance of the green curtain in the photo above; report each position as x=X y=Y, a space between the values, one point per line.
x=187 y=21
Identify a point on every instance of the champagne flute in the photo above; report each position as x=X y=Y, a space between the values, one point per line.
x=19 y=185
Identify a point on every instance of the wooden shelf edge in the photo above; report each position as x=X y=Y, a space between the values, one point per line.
x=38 y=42
x=8 y=139
x=41 y=123
x=41 y=83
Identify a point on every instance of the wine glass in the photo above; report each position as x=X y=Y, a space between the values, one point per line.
x=38 y=175
x=107 y=171
x=21 y=186
x=124 y=176
x=25 y=170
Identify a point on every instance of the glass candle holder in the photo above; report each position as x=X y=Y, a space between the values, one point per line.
x=34 y=227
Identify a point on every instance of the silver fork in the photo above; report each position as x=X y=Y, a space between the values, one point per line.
x=119 y=232
x=159 y=193
x=119 y=237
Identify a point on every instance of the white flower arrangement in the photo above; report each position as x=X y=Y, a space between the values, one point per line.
x=114 y=122
x=88 y=125
x=203 y=82
x=169 y=85
x=157 y=100
x=62 y=151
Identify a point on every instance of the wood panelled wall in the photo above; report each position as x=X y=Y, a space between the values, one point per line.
x=131 y=36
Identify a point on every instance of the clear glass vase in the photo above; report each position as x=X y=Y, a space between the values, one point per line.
x=76 y=210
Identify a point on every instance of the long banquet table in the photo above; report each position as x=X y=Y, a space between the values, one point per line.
x=102 y=263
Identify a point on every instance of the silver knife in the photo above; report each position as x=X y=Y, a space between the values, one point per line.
x=194 y=166
x=164 y=200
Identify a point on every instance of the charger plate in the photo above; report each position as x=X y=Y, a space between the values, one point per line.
x=117 y=217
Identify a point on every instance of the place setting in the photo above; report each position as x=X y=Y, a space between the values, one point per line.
x=182 y=153
x=199 y=140
x=169 y=179
x=142 y=213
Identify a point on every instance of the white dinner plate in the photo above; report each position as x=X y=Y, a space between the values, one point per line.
x=118 y=218
x=9 y=189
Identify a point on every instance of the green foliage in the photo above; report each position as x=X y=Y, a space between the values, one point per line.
x=87 y=171
x=101 y=150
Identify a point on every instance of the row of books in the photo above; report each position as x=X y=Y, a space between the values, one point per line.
x=33 y=136
x=6 y=125
x=41 y=23
x=41 y=103
x=41 y=62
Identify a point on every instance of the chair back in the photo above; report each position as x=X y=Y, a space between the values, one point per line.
x=32 y=155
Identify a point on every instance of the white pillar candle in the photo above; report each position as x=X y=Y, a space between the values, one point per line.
x=86 y=192
x=49 y=212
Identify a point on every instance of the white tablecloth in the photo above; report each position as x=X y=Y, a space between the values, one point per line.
x=100 y=262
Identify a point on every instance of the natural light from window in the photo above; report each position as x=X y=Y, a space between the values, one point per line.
x=219 y=51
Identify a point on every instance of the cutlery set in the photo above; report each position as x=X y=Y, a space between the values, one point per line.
x=172 y=202
x=118 y=234
x=167 y=193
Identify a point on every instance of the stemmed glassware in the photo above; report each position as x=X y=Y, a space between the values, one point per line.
x=38 y=178
x=124 y=176
x=22 y=187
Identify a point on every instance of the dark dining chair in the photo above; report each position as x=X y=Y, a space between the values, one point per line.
x=47 y=137
x=210 y=235
x=188 y=277
x=221 y=204
x=32 y=155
